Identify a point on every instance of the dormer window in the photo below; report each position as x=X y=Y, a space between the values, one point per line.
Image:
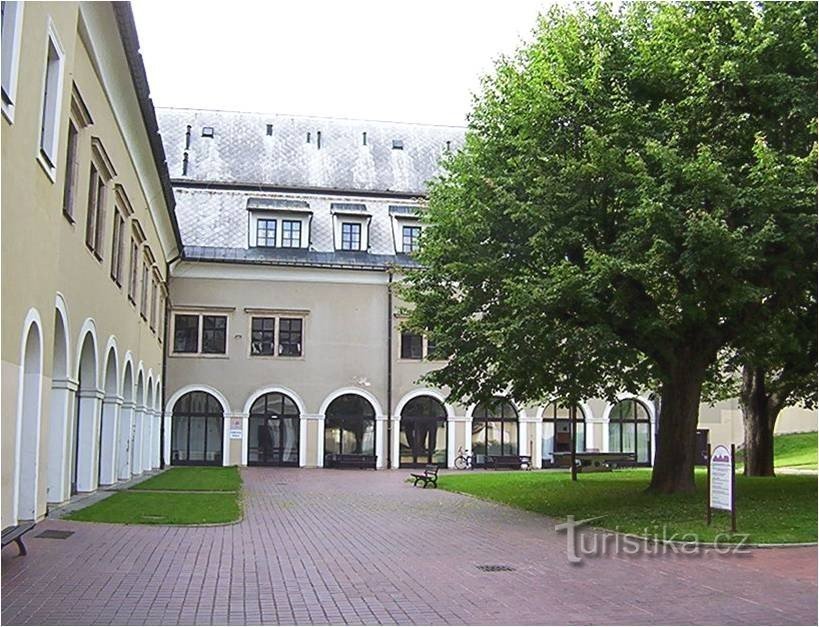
x=351 y=225
x=291 y=234
x=266 y=233
x=350 y=236
x=278 y=223
x=406 y=228
x=410 y=238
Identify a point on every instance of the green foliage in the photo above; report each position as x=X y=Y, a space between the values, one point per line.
x=635 y=185
x=770 y=509
x=796 y=450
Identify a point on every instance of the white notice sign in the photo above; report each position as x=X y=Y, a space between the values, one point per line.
x=235 y=428
x=721 y=484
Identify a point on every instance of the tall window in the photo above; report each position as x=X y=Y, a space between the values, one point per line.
x=214 y=334
x=153 y=304
x=70 y=171
x=557 y=435
x=630 y=429
x=12 y=20
x=265 y=341
x=143 y=302
x=350 y=236
x=412 y=346
x=410 y=237
x=265 y=233
x=200 y=334
x=349 y=427
x=186 y=333
x=290 y=337
x=291 y=233
x=117 y=247
x=262 y=336
x=273 y=431
x=95 y=217
x=132 y=270
x=494 y=430
x=196 y=432
x=51 y=102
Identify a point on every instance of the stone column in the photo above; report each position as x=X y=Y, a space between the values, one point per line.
x=379 y=441
x=59 y=439
x=124 y=440
x=136 y=441
x=88 y=439
x=111 y=405
x=396 y=442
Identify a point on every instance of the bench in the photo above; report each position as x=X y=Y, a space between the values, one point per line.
x=349 y=460
x=15 y=534
x=430 y=476
x=594 y=461
x=515 y=462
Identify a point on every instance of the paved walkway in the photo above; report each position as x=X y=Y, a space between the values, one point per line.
x=323 y=546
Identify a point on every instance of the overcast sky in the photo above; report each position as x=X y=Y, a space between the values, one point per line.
x=409 y=61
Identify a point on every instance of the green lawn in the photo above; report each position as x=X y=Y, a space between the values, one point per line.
x=780 y=509
x=796 y=450
x=179 y=496
x=220 y=478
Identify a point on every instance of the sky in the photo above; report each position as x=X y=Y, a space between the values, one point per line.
x=407 y=61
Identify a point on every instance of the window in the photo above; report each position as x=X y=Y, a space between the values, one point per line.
x=50 y=118
x=273 y=431
x=70 y=171
x=186 y=333
x=214 y=334
x=291 y=233
x=207 y=131
x=494 y=430
x=154 y=292
x=132 y=271
x=118 y=247
x=196 y=430
x=557 y=431
x=266 y=233
x=200 y=334
x=410 y=237
x=143 y=302
x=290 y=337
x=262 y=336
x=95 y=216
x=397 y=144
x=12 y=20
x=630 y=429
x=412 y=346
x=350 y=236
x=349 y=428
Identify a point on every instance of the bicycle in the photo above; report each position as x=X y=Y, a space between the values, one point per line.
x=464 y=460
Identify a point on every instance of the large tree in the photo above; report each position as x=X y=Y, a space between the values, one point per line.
x=602 y=228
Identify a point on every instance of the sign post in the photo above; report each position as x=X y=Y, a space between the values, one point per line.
x=722 y=482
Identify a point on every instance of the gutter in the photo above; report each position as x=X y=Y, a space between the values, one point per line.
x=389 y=369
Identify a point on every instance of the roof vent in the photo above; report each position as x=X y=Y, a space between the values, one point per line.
x=448 y=145
x=318 y=140
x=397 y=144
x=364 y=138
x=308 y=137
x=187 y=136
x=269 y=129
x=185 y=163
x=207 y=131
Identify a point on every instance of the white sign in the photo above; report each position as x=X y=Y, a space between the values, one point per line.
x=235 y=428
x=721 y=480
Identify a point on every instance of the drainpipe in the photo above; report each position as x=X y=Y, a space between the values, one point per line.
x=165 y=328
x=389 y=370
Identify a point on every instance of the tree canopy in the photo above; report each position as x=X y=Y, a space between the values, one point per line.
x=634 y=186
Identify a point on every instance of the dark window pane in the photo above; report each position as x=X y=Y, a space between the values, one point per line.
x=186 y=334
x=291 y=233
x=262 y=336
x=350 y=236
x=214 y=334
x=290 y=337
x=410 y=237
x=266 y=233
x=411 y=346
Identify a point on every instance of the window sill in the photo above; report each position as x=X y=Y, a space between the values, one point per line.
x=69 y=218
x=50 y=170
x=8 y=112
x=199 y=356
x=278 y=357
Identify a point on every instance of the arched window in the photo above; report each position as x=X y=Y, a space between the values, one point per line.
x=630 y=429
x=557 y=434
x=196 y=437
x=273 y=431
x=349 y=427
x=423 y=432
x=494 y=430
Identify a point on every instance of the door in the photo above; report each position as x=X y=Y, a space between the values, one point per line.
x=273 y=441
x=423 y=441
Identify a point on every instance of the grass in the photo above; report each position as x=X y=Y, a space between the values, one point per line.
x=179 y=496
x=796 y=450
x=770 y=510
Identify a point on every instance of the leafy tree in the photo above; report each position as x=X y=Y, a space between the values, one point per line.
x=618 y=214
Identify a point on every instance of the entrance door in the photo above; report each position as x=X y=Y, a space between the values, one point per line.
x=273 y=437
x=423 y=441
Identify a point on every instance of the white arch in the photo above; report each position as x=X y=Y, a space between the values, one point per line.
x=583 y=405
x=89 y=327
x=450 y=411
x=270 y=389
x=351 y=390
x=61 y=406
x=157 y=395
x=521 y=412
x=62 y=311
x=649 y=406
x=197 y=387
x=149 y=389
x=29 y=409
x=128 y=368
x=111 y=345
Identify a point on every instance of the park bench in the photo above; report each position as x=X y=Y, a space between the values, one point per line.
x=516 y=462
x=430 y=475
x=349 y=460
x=15 y=534
x=595 y=461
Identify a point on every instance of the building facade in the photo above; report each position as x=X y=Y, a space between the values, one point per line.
x=87 y=230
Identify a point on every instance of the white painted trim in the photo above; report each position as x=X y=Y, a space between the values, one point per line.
x=8 y=110
x=268 y=389
x=450 y=412
x=351 y=390
x=62 y=308
x=249 y=272
x=89 y=326
x=197 y=387
x=302 y=443
x=111 y=345
x=649 y=406
x=127 y=367
x=52 y=38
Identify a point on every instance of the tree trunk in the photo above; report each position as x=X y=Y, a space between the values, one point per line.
x=759 y=413
x=677 y=437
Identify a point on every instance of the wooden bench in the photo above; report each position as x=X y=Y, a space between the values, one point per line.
x=15 y=534
x=349 y=460
x=595 y=461
x=515 y=462
x=430 y=476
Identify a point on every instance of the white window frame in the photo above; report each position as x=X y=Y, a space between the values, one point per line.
x=409 y=225
x=11 y=50
x=277 y=315
x=279 y=217
x=362 y=219
x=50 y=120
x=200 y=313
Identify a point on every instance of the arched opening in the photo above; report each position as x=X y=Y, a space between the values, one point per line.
x=148 y=426
x=273 y=431
x=196 y=435
x=494 y=430
x=110 y=417
x=157 y=428
x=423 y=432
x=59 y=441
x=86 y=421
x=349 y=427
x=557 y=431
x=630 y=429
x=136 y=435
x=126 y=420
x=28 y=424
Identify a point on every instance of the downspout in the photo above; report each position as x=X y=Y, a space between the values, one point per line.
x=389 y=370
x=165 y=327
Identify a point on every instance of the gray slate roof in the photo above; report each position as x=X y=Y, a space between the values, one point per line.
x=335 y=158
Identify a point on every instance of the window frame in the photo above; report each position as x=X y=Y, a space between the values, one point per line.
x=409 y=336
x=200 y=315
x=117 y=245
x=71 y=169
x=415 y=240
x=277 y=316
x=273 y=344
x=290 y=222
x=275 y=224
x=348 y=241
x=11 y=50
x=51 y=108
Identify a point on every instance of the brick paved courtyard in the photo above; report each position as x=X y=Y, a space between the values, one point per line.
x=322 y=546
